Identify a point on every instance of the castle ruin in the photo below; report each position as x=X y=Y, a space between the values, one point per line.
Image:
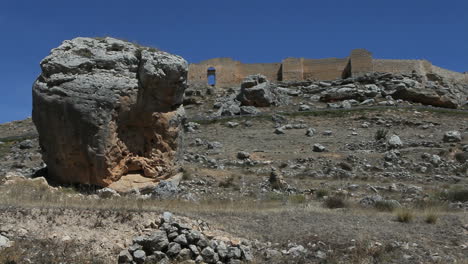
x=225 y=72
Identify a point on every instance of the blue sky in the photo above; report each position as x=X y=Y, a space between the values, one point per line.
x=246 y=30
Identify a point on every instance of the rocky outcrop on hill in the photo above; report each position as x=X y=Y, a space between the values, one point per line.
x=256 y=90
x=428 y=90
x=106 y=108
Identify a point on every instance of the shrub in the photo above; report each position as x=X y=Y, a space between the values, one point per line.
x=431 y=217
x=404 y=215
x=321 y=193
x=381 y=134
x=334 y=202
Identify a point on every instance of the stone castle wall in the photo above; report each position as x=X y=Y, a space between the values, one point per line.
x=231 y=73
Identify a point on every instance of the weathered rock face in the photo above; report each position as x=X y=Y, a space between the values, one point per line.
x=105 y=108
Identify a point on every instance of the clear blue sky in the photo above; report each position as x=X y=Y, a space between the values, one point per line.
x=246 y=30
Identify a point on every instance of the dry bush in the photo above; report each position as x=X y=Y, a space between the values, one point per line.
x=404 y=215
x=431 y=216
x=337 y=201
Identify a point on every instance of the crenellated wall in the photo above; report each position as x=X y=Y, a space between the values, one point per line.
x=231 y=73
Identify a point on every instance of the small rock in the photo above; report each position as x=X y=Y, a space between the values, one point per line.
x=394 y=142
x=181 y=239
x=125 y=257
x=209 y=255
x=232 y=124
x=452 y=136
x=310 y=132
x=173 y=249
x=304 y=108
x=107 y=193
x=279 y=131
x=318 y=148
x=139 y=256
x=243 y=155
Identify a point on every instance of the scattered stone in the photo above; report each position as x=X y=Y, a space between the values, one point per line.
x=232 y=124
x=165 y=190
x=139 y=256
x=318 y=148
x=310 y=132
x=243 y=155
x=107 y=193
x=279 y=131
x=125 y=257
x=249 y=110
x=304 y=108
x=5 y=242
x=394 y=142
x=452 y=136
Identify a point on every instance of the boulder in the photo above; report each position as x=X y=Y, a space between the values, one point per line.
x=106 y=108
x=256 y=91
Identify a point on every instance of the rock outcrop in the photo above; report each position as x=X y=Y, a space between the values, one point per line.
x=428 y=90
x=256 y=90
x=106 y=108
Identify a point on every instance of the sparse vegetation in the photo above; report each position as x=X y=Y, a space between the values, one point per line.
x=385 y=205
x=404 y=215
x=337 y=201
x=431 y=217
x=381 y=134
x=320 y=193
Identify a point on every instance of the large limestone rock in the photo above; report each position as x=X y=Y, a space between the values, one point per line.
x=256 y=91
x=106 y=108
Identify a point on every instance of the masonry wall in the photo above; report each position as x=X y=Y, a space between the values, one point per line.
x=324 y=69
x=361 y=62
x=271 y=70
x=231 y=73
x=399 y=66
x=292 y=69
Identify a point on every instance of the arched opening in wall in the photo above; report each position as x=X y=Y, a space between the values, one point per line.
x=211 y=74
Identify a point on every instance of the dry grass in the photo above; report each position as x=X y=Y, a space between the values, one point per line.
x=404 y=215
x=48 y=251
x=431 y=216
